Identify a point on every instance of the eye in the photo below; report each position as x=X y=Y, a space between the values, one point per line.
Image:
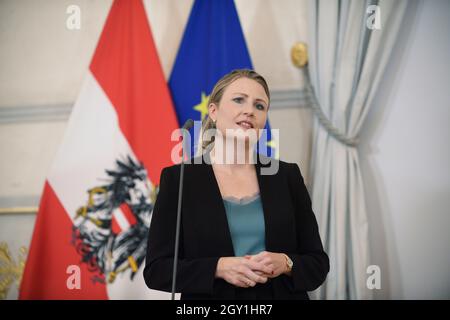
x=238 y=100
x=260 y=106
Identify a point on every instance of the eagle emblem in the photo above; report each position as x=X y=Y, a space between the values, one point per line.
x=110 y=231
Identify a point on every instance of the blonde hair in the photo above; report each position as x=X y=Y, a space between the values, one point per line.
x=217 y=93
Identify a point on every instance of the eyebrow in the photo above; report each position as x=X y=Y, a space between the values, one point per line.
x=246 y=95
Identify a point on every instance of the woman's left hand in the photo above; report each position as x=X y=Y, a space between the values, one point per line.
x=277 y=261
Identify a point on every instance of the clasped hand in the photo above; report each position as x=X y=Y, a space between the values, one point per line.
x=249 y=270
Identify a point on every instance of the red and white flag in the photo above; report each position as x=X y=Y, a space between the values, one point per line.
x=89 y=241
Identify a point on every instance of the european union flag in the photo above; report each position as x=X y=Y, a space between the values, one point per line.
x=213 y=45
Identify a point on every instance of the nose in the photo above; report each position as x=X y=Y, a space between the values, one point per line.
x=248 y=109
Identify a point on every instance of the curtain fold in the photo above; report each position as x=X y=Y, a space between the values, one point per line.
x=347 y=61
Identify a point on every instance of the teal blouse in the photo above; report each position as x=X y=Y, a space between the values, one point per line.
x=246 y=224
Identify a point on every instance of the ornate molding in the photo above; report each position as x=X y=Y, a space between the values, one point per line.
x=280 y=99
x=44 y=113
x=23 y=205
x=288 y=99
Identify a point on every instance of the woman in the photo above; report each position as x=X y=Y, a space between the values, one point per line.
x=244 y=234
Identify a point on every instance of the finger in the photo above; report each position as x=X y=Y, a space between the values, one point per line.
x=261 y=256
x=244 y=270
x=270 y=274
x=238 y=281
x=257 y=266
x=268 y=271
x=266 y=261
x=272 y=266
x=272 y=270
x=257 y=257
x=240 y=284
x=254 y=277
x=246 y=282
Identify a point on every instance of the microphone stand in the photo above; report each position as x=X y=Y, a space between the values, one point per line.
x=188 y=124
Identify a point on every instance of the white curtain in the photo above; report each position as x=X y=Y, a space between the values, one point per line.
x=348 y=56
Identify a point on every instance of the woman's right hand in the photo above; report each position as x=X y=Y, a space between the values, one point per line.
x=241 y=272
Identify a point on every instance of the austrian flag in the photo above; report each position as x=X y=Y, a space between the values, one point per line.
x=98 y=198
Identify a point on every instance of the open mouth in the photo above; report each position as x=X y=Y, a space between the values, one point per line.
x=245 y=124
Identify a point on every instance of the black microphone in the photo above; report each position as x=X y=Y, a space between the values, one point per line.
x=187 y=125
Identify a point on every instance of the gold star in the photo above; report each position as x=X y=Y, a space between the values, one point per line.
x=202 y=107
x=273 y=145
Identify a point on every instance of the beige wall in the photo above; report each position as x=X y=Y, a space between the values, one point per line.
x=43 y=62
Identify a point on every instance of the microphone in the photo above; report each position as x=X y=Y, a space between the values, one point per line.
x=187 y=125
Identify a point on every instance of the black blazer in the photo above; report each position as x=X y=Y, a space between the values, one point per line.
x=290 y=223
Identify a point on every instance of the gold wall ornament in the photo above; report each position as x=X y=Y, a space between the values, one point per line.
x=299 y=54
x=10 y=270
x=18 y=210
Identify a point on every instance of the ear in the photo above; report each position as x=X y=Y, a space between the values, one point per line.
x=212 y=111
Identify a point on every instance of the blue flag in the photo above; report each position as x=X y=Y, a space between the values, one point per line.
x=213 y=45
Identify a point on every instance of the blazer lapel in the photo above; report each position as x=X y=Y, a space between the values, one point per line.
x=266 y=194
x=219 y=216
